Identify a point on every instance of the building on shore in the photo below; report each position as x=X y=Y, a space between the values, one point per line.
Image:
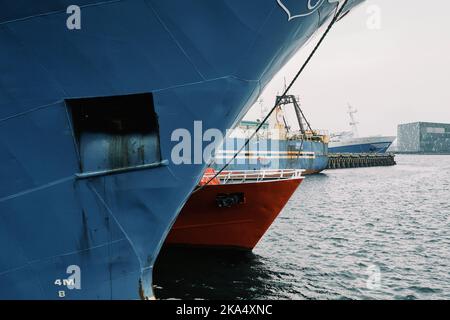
x=423 y=137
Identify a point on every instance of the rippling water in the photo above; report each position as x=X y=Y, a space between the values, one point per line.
x=368 y=233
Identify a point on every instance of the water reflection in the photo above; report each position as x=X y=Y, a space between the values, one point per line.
x=198 y=273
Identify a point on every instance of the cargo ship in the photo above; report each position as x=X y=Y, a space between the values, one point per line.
x=235 y=210
x=350 y=142
x=90 y=96
x=277 y=145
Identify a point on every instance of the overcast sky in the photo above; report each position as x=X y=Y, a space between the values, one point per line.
x=397 y=74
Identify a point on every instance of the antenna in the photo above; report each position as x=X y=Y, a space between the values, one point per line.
x=262 y=109
x=353 y=123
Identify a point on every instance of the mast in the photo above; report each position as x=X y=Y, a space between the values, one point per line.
x=353 y=123
x=262 y=109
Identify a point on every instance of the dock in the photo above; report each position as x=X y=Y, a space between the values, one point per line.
x=360 y=160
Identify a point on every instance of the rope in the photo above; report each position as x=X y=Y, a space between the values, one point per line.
x=286 y=90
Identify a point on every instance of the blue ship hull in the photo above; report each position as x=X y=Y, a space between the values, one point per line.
x=362 y=148
x=377 y=144
x=311 y=156
x=79 y=220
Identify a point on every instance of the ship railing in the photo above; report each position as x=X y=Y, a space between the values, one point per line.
x=314 y=135
x=239 y=176
x=322 y=132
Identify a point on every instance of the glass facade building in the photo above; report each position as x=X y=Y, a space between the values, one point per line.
x=424 y=137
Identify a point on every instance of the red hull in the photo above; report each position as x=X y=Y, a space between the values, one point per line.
x=203 y=223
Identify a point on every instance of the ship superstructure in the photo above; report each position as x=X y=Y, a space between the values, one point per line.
x=351 y=142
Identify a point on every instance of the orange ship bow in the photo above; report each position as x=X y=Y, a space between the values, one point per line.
x=234 y=214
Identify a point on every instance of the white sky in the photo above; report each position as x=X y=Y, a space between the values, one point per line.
x=397 y=74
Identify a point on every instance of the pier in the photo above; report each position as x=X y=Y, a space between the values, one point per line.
x=360 y=160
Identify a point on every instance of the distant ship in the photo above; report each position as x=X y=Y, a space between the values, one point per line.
x=350 y=142
x=277 y=145
x=90 y=96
